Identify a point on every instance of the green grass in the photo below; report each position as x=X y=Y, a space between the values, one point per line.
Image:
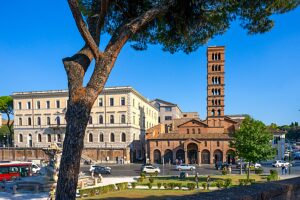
x=235 y=179
x=143 y=194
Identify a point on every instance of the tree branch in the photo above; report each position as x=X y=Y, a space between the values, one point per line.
x=104 y=65
x=82 y=28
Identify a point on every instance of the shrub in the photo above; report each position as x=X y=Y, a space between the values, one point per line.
x=259 y=170
x=246 y=182
x=165 y=185
x=224 y=171
x=204 y=185
x=219 y=183
x=191 y=186
x=143 y=175
x=151 y=180
x=122 y=186
x=227 y=182
x=171 y=185
x=140 y=180
x=133 y=185
x=159 y=185
x=179 y=185
x=273 y=175
x=149 y=185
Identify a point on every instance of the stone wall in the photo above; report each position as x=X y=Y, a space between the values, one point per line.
x=288 y=189
x=27 y=154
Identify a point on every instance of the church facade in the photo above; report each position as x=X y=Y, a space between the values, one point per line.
x=196 y=141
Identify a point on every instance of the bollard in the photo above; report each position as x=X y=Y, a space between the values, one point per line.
x=14 y=189
x=95 y=181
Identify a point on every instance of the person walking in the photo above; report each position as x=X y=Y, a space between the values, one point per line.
x=282 y=169
x=285 y=169
x=197 y=180
x=208 y=182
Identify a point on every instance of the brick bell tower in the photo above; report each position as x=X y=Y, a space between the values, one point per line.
x=215 y=86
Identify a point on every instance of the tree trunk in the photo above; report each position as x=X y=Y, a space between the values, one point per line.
x=77 y=117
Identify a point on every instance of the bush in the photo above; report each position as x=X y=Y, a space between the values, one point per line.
x=140 y=180
x=224 y=171
x=89 y=192
x=191 y=186
x=149 y=185
x=273 y=175
x=219 y=183
x=143 y=175
x=227 y=182
x=122 y=186
x=204 y=185
x=171 y=186
x=151 y=180
x=179 y=185
x=159 y=185
x=246 y=182
x=133 y=185
x=165 y=185
x=259 y=170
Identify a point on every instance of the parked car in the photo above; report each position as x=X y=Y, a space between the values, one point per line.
x=151 y=169
x=280 y=163
x=255 y=165
x=35 y=168
x=185 y=167
x=102 y=170
x=144 y=165
x=220 y=165
x=93 y=167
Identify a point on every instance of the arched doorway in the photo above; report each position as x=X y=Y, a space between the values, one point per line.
x=157 y=156
x=180 y=155
x=192 y=153
x=205 y=157
x=30 y=140
x=230 y=157
x=218 y=156
x=168 y=157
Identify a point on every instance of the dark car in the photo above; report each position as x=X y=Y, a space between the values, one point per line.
x=102 y=170
x=219 y=165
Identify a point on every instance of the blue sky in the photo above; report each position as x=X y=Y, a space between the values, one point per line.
x=262 y=71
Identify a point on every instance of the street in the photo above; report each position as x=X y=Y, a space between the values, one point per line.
x=169 y=170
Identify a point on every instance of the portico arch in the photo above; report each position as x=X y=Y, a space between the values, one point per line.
x=157 y=156
x=218 y=155
x=180 y=155
x=230 y=156
x=168 y=157
x=205 y=157
x=192 y=153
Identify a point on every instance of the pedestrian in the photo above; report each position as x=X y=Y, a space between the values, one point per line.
x=229 y=169
x=282 y=169
x=285 y=169
x=197 y=180
x=208 y=182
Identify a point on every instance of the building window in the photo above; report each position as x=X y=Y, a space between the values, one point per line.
x=48 y=104
x=20 y=105
x=219 y=112
x=133 y=102
x=29 y=121
x=199 y=130
x=112 y=119
x=133 y=119
x=57 y=104
x=205 y=143
x=168 y=109
x=57 y=120
x=28 y=105
x=218 y=143
x=20 y=138
x=100 y=102
x=48 y=121
x=169 y=143
x=188 y=131
x=90 y=120
x=39 y=138
x=90 y=137
x=39 y=121
x=123 y=119
x=101 y=137
x=122 y=101
x=58 y=138
x=156 y=143
x=112 y=137
x=100 y=119
x=111 y=101
x=213 y=112
x=38 y=105
x=48 y=138
x=168 y=117
x=20 y=121
x=123 y=137
x=193 y=131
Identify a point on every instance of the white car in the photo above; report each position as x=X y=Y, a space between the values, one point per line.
x=35 y=169
x=92 y=168
x=185 y=167
x=256 y=165
x=280 y=163
x=151 y=170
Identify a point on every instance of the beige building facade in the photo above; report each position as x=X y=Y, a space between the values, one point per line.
x=118 y=120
